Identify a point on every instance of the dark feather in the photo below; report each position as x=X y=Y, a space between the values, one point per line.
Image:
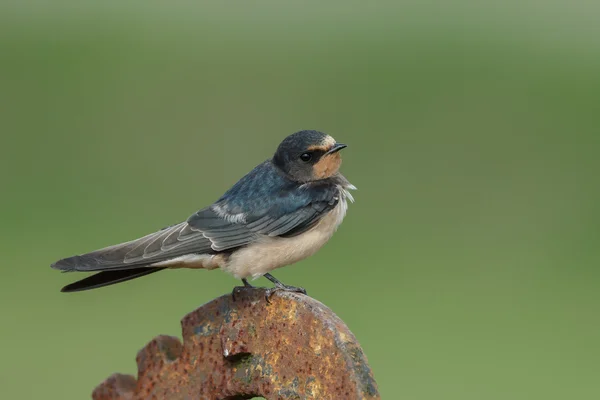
x=108 y=278
x=265 y=202
x=163 y=245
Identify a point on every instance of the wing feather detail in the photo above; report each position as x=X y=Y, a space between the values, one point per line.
x=168 y=243
x=275 y=221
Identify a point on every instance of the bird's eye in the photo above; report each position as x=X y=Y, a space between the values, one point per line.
x=306 y=157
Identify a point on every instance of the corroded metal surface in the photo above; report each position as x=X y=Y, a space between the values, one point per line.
x=293 y=348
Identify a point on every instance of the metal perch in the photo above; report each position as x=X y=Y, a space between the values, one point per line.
x=292 y=348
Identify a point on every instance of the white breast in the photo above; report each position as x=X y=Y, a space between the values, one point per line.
x=270 y=253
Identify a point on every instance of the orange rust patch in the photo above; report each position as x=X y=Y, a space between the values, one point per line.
x=327 y=166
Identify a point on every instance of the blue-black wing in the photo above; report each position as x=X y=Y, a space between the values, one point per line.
x=168 y=243
x=264 y=203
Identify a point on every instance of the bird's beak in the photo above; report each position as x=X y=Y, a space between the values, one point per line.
x=336 y=147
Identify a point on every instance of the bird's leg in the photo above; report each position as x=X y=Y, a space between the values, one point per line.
x=239 y=288
x=280 y=287
x=246 y=284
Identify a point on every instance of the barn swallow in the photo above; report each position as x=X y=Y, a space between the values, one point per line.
x=282 y=212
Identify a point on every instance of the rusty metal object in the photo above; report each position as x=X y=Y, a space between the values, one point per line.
x=292 y=348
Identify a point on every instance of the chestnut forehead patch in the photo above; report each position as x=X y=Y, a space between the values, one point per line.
x=326 y=144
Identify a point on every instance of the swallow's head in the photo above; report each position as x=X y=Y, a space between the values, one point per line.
x=308 y=156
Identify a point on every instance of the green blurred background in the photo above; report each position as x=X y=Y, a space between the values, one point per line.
x=468 y=267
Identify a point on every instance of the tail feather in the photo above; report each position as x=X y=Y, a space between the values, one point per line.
x=172 y=242
x=107 y=278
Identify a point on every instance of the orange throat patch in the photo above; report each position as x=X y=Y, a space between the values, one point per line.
x=327 y=166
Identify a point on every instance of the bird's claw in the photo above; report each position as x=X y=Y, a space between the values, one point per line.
x=282 y=288
x=238 y=289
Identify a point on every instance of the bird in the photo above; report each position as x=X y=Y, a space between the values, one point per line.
x=283 y=211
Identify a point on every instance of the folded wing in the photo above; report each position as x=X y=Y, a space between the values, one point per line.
x=277 y=218
x=163 y=245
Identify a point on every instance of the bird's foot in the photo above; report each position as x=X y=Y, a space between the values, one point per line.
x=280 y=287
x=238 y=289
x=284 y=288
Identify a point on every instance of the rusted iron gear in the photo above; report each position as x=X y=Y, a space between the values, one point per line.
x=292 y=348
